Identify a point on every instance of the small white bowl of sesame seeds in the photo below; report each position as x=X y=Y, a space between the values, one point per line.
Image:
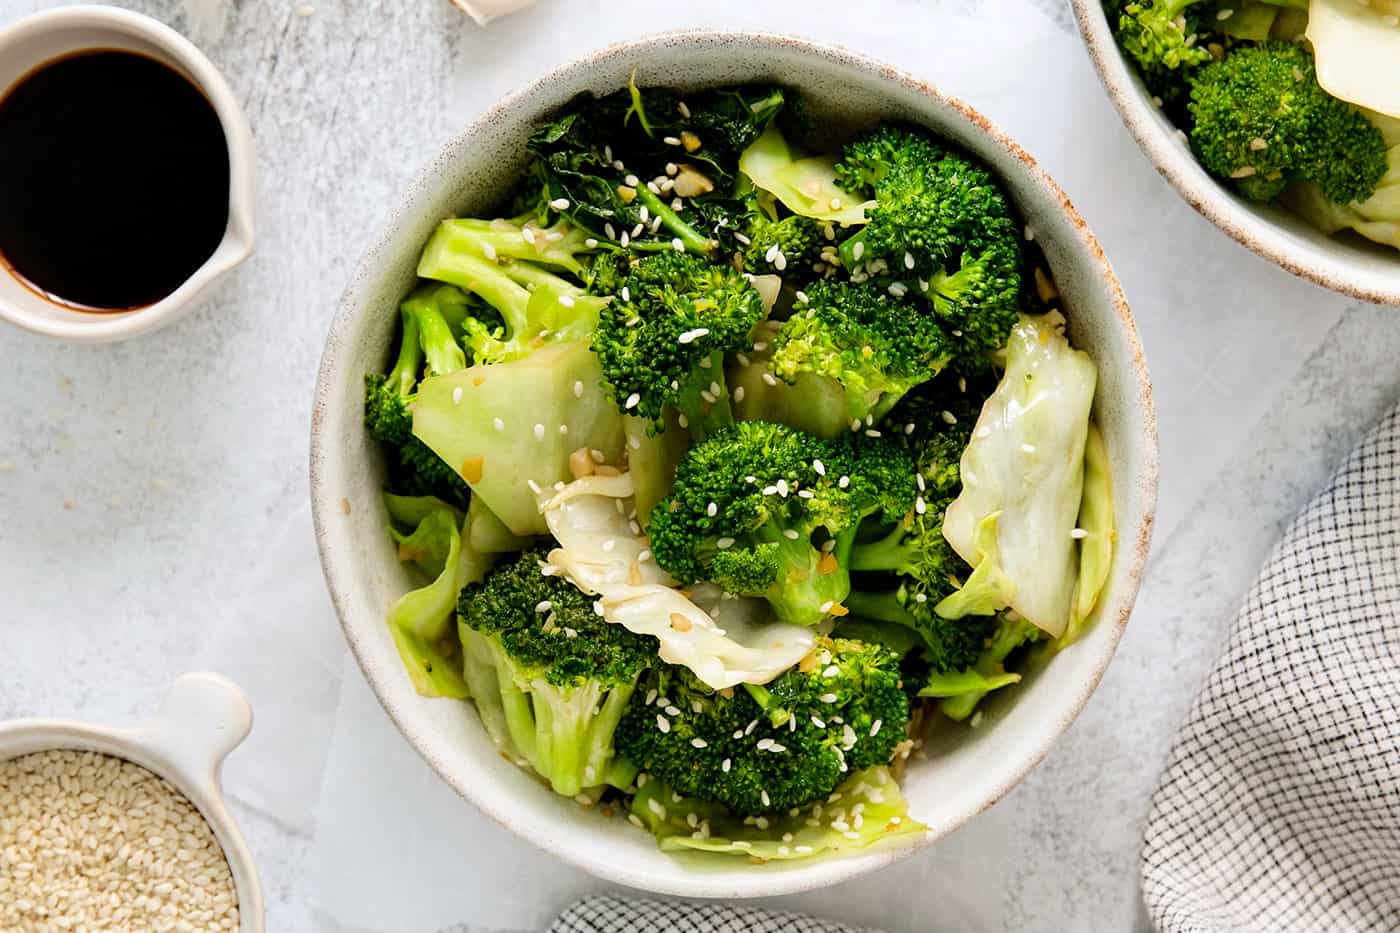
x=127 y=829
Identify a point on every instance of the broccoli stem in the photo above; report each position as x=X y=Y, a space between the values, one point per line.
x=404 y=376
x=444 y=263
x=957 y=684
x=848 y=251
x=882 y=607
x=890 y=553
x=443 y=352
x=803 y=594
x=703 y=418
x=1009 y=636
x=690 y=238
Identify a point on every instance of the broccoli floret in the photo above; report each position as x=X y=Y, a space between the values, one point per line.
x=763 y=509
x=1262 y=119
x=663 y=339
x=506 y=264
x=765 y=749
x=414 y=470
x=934 y=425
x=941 y=225
x=1160 y=34
x=875 y=346
x=961 y=690
x=777 y=246
x=563 y=675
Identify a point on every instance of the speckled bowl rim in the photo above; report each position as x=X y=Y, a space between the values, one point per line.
x=1175 y=162
x=1134 y=544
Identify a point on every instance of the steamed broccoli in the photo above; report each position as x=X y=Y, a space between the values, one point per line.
x=506 y=264
x=662 y=341
x=765 y=510
x=961 y=690
x=414 y=469
x=773 y=245
x=875 y=346
x=765 y=749
x=941 y=225
x=554 y=674
x=1160 y=34
x=1262 y=119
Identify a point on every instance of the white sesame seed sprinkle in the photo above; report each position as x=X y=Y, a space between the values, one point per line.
x=632 y=401
x=539 y=432
x=828 y=698
x=489 y=251
x=791 y=534
x=1079 y=534
x=693 y=335
x=663 y=723
x=724 y=544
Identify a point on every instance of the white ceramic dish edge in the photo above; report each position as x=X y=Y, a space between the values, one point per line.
x=1353 y=267
x=42 y=37
x=203 y=718
x=363 y=575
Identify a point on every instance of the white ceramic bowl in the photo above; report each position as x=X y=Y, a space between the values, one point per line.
x=963 y=775
x=1347 y=264
x=203 y=718
x=36 y=40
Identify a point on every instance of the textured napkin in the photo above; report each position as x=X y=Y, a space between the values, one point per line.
x=603 y=914
x=1280 y=805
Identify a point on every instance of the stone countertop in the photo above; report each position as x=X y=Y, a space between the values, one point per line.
x=144 y=485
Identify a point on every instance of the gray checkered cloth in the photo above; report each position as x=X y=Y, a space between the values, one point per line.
x=603 y=914
x=1280 y=805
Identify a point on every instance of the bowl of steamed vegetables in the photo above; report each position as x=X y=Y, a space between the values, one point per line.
x=1278 y=120
x=733 y=485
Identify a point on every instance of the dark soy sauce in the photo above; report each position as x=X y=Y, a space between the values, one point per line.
x=114 y=180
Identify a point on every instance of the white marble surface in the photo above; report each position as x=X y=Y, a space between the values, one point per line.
x=153 y=493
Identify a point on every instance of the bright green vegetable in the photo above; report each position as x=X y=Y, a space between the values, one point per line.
x=563 y=675
x=869 y=809
x=1262 y=119
x=767 y=749
x=1096 y=521
x=961 y=692
x=806 y=185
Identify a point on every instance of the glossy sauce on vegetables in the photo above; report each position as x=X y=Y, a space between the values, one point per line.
x=114 y=180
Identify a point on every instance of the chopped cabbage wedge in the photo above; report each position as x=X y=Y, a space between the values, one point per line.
x=868 y=808
x=1096 y=521
x=1357 y=47
x=598 y=552
x=806 y=186
x=1026 y=462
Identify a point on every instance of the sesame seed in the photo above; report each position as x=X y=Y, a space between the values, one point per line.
x=609 y=544
x=919 y=481
x=663 y=723
x=528 y=235
x=780 y=262
x=819 y=467
x=724 y=544
x=818 y=723
x=724 y=766
x=852 y=834
x=920 y=506
x=920 y=597
x=858 y=251
x=591 y=243
x=632 y=181
x=739 y=393
x=753 y=724
x=644 y=214
x=871 y=432
x=539 y=432
x=763 y=795
x=655 y=806
x=1224 y=14
x=843 y=482
x=560 y=204
x=769 y=379
x=908 y=260
x=712 y=510
x=783 y=850
x=776 y=747
x=782 y=487
x=835 y=204
x=677 y=245
x=534 y=486
x=828 y=698
x=949 y=417
x=764 y=744
x=654 y=188
x=625 y=239
x=543 y=606
x=693 y=335
x=875 y=727
x=457 y=395
x=803 y=850
x=612 y=234
x=682 y=109
x=1079 y=534
x=632 y=401
x=832 y=671
x=791 y=534
x=670 y=140
x=488 y=251
x=898 y=289
x=848 y=735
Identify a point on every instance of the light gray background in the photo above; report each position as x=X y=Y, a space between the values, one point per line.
x=152 y=494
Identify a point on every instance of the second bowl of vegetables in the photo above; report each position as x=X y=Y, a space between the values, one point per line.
x=735 y=472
